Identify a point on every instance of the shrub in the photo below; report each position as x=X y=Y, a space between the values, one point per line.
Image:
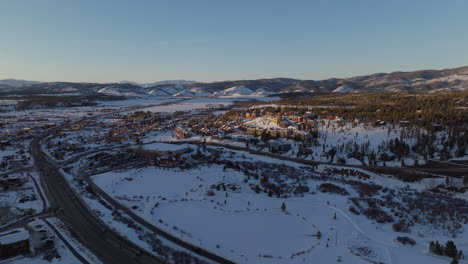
x=354 y=210
x=332 y=188
x=406 y=240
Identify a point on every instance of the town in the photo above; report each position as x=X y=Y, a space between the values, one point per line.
x=170 y=179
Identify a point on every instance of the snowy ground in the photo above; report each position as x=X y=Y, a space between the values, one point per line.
x=251 y=228
x=196 y=104
x=343 y=136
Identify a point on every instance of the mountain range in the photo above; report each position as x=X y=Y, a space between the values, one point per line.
x=416 y=81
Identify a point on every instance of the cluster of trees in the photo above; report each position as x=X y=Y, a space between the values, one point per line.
x=449 y=250
x=60 y=101
x=399 y=147
x=420 y=109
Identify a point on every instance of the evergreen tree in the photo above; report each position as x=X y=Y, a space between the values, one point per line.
x=432 y=247
x=451 y=249
x=283 y=206
x=439 y=249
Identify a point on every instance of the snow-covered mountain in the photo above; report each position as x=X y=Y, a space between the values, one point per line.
x=418 y=81
x=343 y=89
x=234 y=91
x=166 y=82
x=13 y=83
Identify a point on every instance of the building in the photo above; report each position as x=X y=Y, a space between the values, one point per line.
x=278 y=146
x=12 y=180
x=13 y=243
x=404 y=123
x=182 y=134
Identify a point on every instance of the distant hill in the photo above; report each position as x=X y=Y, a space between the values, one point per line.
x=416 y=81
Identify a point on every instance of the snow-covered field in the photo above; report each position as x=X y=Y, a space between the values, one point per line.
x=250 y=227
x=195 y=104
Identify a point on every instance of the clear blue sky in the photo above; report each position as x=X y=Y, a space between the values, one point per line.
x=144 y=41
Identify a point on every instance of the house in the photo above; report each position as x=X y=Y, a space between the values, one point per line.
x=387 y=156
x=404 y=123
x=12 y=180
x=310 y=114
x=206 y=131
x=278 y=147
x=333 y=118
x=15 y=163
x=379 y=122
x=182 y=134
x=226 y=128
x=13 y=243
x=49 y=125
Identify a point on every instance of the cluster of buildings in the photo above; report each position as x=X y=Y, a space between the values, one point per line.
x=26 y=241
x=14 y=242
x=12 y=180
x=14 y=161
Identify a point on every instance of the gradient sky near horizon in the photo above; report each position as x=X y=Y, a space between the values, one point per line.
x=209 y=40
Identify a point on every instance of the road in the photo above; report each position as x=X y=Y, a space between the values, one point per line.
x=90 y=230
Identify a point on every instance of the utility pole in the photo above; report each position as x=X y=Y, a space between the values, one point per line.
x=336 y=238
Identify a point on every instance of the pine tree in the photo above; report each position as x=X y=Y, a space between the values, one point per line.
x=283 y=206
x=432 y=247
x=438 y=249
x=451 y=249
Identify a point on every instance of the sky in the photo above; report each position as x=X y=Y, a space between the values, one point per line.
x=211 y=40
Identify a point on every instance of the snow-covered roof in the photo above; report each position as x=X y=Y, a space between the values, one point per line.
x=13 y=236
